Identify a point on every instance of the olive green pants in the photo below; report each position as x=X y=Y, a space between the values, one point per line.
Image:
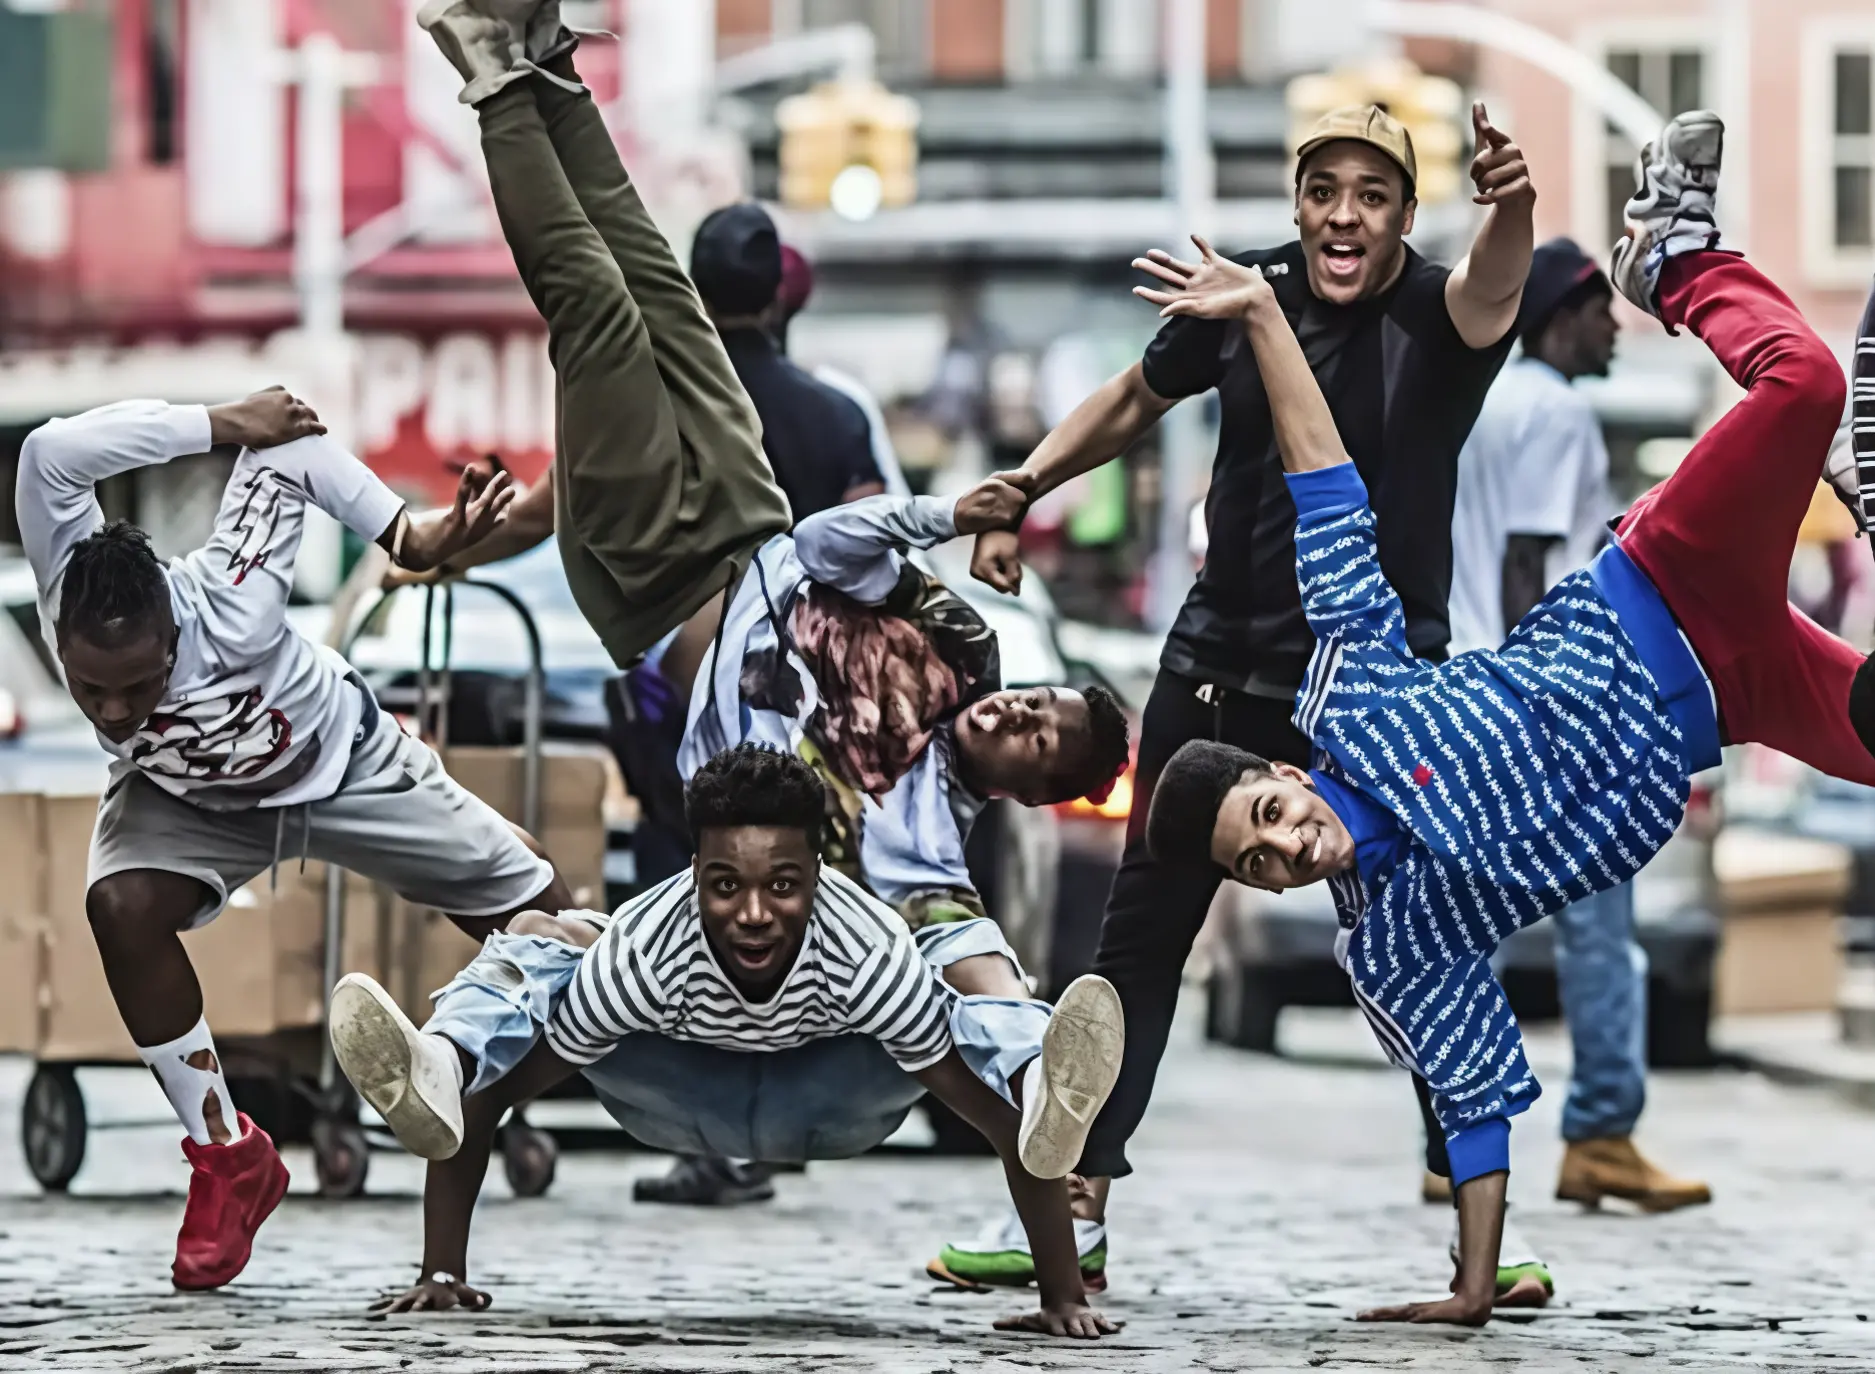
x=662 y=493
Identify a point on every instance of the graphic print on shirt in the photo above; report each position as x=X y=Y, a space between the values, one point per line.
x=257 y=522
x=890 y=675
x=220 y=739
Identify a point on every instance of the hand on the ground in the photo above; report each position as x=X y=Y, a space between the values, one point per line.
x=1075 y=1320
x=1498 y=171
x=434 y=538
x=1455 y=1310
x=997 y=561
x=266 y=419
x=995 y=503
x=1213 y=288
x=432 y=1296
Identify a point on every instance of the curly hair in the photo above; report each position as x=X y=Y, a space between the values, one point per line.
x=114 y=588
x=752 y=785
x=1187 y=795
x=1095 y=764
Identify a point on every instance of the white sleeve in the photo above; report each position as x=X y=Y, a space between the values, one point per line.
x=854 y=548
x=245 y=570
x=62 y=462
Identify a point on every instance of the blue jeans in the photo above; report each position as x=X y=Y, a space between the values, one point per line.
x=1601 y=974
x=826 y=1099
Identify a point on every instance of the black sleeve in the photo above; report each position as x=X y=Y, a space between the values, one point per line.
x=1185 y=358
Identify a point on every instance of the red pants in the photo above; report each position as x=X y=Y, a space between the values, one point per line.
x=1716 y=537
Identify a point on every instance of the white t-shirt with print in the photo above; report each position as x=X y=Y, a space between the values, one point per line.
x=255 y=715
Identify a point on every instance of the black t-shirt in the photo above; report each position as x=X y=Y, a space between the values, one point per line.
x=817 y=441
x=1404 y=389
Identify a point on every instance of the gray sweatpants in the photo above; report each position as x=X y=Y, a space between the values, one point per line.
x=662 y=492
x=397 y=819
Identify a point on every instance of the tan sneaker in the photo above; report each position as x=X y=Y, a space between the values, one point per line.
x=483 y=40
x=1595 y=1169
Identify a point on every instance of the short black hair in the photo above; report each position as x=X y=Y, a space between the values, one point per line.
x=114 y=588
x=752 y=785
x=1187 y=795
x=1096 y=763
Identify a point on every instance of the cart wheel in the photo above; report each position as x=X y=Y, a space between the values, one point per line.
x=341 y=1157
x=52 y=1126
x=528 y=1157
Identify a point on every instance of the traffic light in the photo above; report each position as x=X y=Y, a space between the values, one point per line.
x=848 y=145
x=1431 y=107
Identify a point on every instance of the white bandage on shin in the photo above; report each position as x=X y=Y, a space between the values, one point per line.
x=190 y=1072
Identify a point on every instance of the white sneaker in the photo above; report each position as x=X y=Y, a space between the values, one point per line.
x=484 y=40
x=412 y=1080
x=1068 y=1083
x=1671 y=210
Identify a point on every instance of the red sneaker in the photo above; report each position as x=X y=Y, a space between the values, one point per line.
x=234 y=1188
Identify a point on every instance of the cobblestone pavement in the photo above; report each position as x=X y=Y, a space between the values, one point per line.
x=1273 y=1199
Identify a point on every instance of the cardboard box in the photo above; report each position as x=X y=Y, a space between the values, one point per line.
x=22 y=918
x=80 y=1016
x=575 y=781
x=1780 y=899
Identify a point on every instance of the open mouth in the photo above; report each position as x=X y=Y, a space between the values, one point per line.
x=1342 y=259
x=755 y=958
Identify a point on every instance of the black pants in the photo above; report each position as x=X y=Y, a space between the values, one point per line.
x=1154 y=912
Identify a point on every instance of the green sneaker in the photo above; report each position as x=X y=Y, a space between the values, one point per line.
x=1000 y=1257
x=1516 y=1261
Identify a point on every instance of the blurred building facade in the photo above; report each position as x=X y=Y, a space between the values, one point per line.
x=160 y=180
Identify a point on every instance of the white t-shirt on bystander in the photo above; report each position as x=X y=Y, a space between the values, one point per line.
x=1535 y=464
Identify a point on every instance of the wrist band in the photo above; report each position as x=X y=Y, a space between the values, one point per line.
x=444 y=1278
x=397 y=540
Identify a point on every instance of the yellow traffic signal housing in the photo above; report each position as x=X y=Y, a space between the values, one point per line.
x=1431 y=108
x=842 y=124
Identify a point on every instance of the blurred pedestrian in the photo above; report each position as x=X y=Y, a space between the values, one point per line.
x=1533 y=506
x=816 y=439
x=797 y=288
x=1405 y=351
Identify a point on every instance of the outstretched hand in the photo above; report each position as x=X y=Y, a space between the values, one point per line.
x=266 y=419
x=1213 y=288
x=1498 y=170
x=432 y=1296
x=1073 y=1320
x=481 y=503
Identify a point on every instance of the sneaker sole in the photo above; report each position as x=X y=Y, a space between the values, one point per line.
x=1079 y=1062
x=378 y=1049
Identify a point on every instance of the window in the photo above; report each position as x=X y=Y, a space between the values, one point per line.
x=1671 y=79
x=159 y=54
x=1837 y=79
x=1067 y=38
x=900 y=28
x=1852 y=148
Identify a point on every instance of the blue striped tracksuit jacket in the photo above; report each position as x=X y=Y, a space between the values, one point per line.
x=1523 y=780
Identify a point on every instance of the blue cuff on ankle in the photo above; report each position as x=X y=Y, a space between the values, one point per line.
x=1479 y=1150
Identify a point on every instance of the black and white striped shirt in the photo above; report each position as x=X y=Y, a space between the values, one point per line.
x=858 y=973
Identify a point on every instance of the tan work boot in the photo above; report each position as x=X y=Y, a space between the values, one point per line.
x=483 y=40
x=1595 y=1169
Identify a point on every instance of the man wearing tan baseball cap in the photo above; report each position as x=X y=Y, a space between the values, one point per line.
x=1404 y=350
